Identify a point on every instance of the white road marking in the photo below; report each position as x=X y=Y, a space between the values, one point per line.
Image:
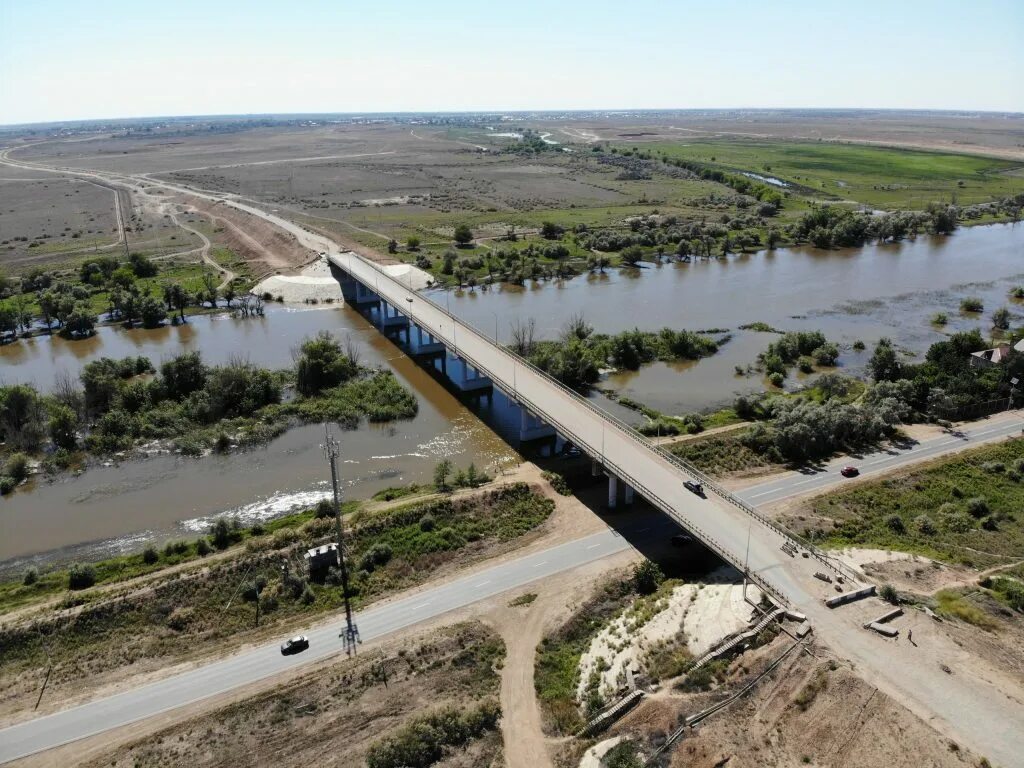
x=538 y=565
x=482 y=584
x=593 y=546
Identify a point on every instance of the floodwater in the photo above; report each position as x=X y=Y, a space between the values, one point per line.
x=856 y=294
x=889 y=290
x=109 y=509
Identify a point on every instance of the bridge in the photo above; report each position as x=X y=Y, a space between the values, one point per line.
x=735 y=531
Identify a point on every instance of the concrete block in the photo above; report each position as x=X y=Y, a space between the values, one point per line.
x=849 y=597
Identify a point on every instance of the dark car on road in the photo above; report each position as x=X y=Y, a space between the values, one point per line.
x=849 y=471
x=296 y=644
x=693 y=487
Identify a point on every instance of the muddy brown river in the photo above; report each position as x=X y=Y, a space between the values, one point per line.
x=889 y=290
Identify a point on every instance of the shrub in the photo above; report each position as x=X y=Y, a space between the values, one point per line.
x=7 y=484
x=427 y=523
x=646 y=577
x=895 y=524
x=940 y=318
x=324 y=508
x=888 y=593
x=1001 y=318
x=972 y=304
x=977 y=506
x=776 y=379
x=31 y=576
x=202 y=547
x=150 y=555
x=16 y=467
x=81 y=576
x=925 y=525
x=993 y=466
x=308 y=596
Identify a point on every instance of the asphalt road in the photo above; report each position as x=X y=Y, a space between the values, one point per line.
x=877 y=462
x=257 y=664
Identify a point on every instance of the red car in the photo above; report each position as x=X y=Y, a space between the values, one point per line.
x=849 y=471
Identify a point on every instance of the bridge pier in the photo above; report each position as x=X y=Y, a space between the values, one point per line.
x=595 y=468
x=356 y=294
x=613 y=491
x=627 y=494
x=469 y=378
x=531 y=427
x=422 y=342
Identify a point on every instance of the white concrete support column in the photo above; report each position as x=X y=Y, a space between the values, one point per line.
x=627 y=494
x=524 y=421
x=382 y=313
x=613 y=491
x=595 y=468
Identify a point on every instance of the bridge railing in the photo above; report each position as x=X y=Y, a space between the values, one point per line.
x=629 y=432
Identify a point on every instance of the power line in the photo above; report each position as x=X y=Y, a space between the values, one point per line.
x=350 y=633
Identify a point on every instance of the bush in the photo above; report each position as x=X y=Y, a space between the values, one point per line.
x=977 y=506
x=203 y=547
x=324 y=508
x=646 y=577
x=31 y=576
x=427 y=523
x=972 y=304
x=776 y=379
x=925 y=525
x=7 y=484
x=150 y=555
x=895 y=524
x=1001 y=318
x=81 y=576
x=425 y=740
x=16 y=467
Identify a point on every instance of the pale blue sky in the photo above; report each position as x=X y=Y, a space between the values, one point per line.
x=63 y=60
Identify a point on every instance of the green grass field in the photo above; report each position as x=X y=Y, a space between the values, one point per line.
x=965 y=509
x=878 y=176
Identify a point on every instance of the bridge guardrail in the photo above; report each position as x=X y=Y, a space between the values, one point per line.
x=629 y=432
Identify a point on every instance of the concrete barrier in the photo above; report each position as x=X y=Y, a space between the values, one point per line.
x=886 y=617
x=849 y=597
x=883 y=629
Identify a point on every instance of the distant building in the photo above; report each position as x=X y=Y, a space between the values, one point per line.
x=988 y=358
x=320 y=559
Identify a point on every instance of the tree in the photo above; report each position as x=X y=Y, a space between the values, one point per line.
x=178 y=298
x=63 y=427
x=632 y=255
x=141 y=266
x=884 y=364
x=8 y=320
x=182 y=375
x=21 y=417
x=646 y=577
x=463 y=234
x=392 y=245
x=152 y=312
x=81 y=321
x=22 y=311
x=47 y=308
x=229 y=294
x=210 y=288
x=321 y=364
x=551 y=231
x=1001 y=318
x=441 y=473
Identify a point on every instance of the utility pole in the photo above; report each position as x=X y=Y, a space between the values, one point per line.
x=350 y=633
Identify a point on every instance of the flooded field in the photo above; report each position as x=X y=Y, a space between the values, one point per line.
x=879 y=291
x=113 y=508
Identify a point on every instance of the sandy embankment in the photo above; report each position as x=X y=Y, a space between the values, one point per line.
x=700 y=614
x=315 y=283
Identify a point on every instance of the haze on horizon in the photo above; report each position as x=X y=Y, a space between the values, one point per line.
x=62 y=60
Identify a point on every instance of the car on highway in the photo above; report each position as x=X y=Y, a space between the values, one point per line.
x=682 y=539
x=693 y=487
x=849 y=471
x=296 y=644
